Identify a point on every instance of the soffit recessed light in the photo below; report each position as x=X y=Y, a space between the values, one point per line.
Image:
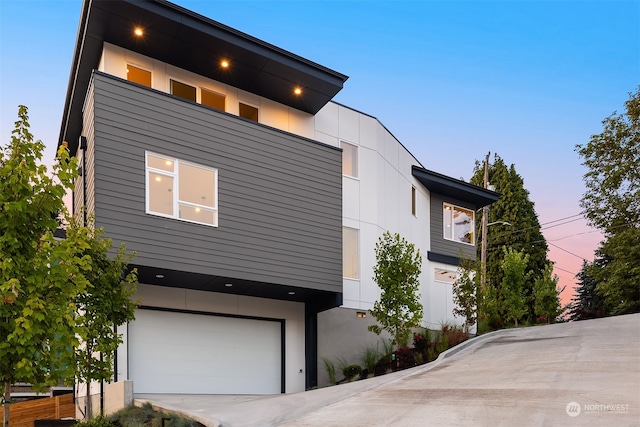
x=291 y=293
x=160 y=276
x=228 y=285
x=138 y=32
x=224 y=63
x=297 y=91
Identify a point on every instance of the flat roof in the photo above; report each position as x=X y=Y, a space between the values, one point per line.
x=445 y=185
x=193 y=42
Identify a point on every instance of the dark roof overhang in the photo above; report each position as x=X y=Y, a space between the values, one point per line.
x=195 y=43
x=460 y=190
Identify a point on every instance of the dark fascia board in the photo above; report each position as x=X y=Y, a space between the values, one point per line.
x=447 y=186
x=444 y=259
x=195 y=43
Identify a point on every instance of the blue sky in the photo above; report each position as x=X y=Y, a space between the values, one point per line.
x=452 y=80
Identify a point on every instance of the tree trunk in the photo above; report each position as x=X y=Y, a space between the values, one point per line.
x=88 y=405
x=7 y=398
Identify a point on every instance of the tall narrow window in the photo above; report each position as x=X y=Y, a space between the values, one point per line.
x=459 y=224
x=248 y=112
x=138 y=75
x=414 y=207
x=181 y=190
x=350 y=253
x=212 y=99
x=183 y=90
x=349 y=159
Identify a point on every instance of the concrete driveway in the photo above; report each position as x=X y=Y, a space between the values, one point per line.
x=573 y=374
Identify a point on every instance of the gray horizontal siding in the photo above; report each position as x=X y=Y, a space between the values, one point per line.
x=279 y=195
x=439 y=244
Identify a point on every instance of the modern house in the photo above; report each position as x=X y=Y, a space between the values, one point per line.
x=253 y=201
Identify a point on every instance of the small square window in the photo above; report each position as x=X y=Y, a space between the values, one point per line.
x=248 y=112
x=183 y=90
x=138 y=75
x=212 y=99
x=459 y=224
x=349 y=159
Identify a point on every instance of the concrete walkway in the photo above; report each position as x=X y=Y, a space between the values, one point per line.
x=573 y=374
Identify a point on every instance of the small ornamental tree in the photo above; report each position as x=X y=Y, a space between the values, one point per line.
x=106 y=305
x=38 y=278
x=396 y=272
x=515 y=275
x=465 y=293
x=546 y=295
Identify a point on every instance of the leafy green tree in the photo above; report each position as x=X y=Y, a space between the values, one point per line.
x=612 y=204
x=546 y=295
x=586 y=303
x=514 y=207
x=106 y=305
x=465 y=292
x=37 y=284
x=398 y=267
x=515 y=275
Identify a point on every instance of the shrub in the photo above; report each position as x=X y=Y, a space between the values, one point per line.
x=95 y=422
x=421 y=341
x=351 y=371
x=404 y=357
x=369 y=358
x=330 y=368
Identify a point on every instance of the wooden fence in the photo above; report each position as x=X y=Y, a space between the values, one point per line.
x=23 y=414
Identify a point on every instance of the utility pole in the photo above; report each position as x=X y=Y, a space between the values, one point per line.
x=483 y=251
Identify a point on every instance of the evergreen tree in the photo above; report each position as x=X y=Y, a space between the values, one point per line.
x=586 y=303
x=465 y=291
x=514 y=207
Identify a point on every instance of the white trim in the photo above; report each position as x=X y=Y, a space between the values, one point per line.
x=176 y=185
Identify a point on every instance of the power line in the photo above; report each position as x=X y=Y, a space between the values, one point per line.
x=569 y=252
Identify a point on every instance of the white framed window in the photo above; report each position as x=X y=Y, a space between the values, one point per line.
x=212 y=99
x=445 y=276
x=182 y=90
x=181 y=190
x=248 y=111
x=138 y=75
x=349 y=159
x=459 y=224
x=350 y=253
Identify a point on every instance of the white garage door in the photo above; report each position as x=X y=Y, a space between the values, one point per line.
x=173 y=352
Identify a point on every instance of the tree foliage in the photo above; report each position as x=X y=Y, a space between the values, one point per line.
x=47 y=284
x=546 y=295
x=514 y=207
x=465 y=292
x=396 y=272
x=612 y=204
x=586 y=303
x=37 y=281
x=106 y=305
x=515 y=275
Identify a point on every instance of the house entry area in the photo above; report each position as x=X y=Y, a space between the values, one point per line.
x=201 y=353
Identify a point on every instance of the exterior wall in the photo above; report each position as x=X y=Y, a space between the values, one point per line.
x=279 y=195
x=85 y=184
x=211 y=302
x=439 y=244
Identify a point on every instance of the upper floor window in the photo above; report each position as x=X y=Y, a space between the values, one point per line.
x=212 y=99
x=349 y=159
x=183 y=90
x=414 y=201
x=459 y=224
x=138 y=75
x=248 y=112
x=181 y=190
x=350 y=253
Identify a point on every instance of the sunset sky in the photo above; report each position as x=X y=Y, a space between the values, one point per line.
x=452 y=80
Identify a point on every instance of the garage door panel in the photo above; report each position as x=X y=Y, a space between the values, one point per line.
x=172 y=352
